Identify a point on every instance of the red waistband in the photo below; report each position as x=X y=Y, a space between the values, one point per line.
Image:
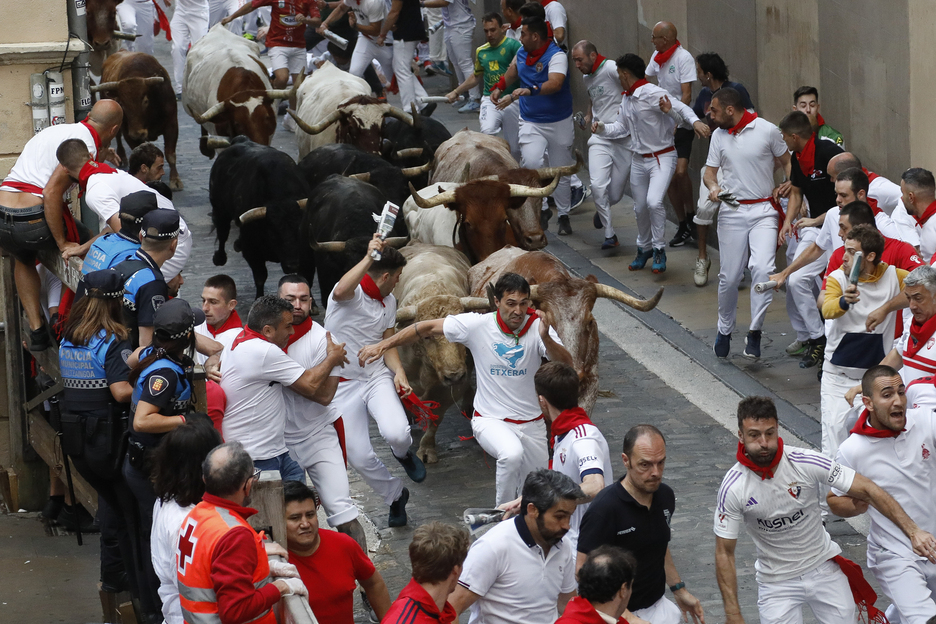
x=662 y=151
x=755 y=201
x=25 y=187
x=515 y=422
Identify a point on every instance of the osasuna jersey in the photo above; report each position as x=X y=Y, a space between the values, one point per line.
x=921 y=393
x=920 y=364
x=305 y=418
x=579 y=453
x=782 y=514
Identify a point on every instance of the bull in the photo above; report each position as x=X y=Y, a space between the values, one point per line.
x=101 y=18
x=142 y=87
x=407 y=145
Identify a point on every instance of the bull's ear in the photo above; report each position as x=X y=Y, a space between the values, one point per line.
x=592 y=279
x=516 y=202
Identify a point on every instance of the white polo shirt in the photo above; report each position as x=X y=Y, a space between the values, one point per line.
x=604 y=90
x=676 y=71
x=358 y=322
x=305 y=418
x=905 y=468
x=782 y=514
x=828 y=238
x=504 y=367
x=226 y=338
x=921 y=364
x=579 y=453
x=253 y=374
x=514 y=579
x=650 y=129
x=746 y=158
x=37 y=161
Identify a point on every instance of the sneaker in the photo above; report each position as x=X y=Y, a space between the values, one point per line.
x=683 y=236
x=722 y=345
x=371 y=614
x=72 y=516
x=659 y=261
x=596 y=221
x=579 y=193
x=398 y=510
x=249 y=37
x=53 y=507
x=545 y=216
x=39 y=339
x=440 y=68
x=815 y=351
x=473 y=106
x=752 y=345
x=564 y=226
x=641 y=260
x=797 y=347
x=429 y=68
x=414 y=467
x=289 y=124
x=700 y=274
x=610 y=243
x=428 y=109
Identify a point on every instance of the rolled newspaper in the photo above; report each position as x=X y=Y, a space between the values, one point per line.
x=339 y=41
x=441 y=99
x=764 y=286
x=476 y=517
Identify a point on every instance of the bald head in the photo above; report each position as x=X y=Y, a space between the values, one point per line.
x=586 y=46
x=664 y=36
x=106 y=116
x=841 y=162
x=226 y=469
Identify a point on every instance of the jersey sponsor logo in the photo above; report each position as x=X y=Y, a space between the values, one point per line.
x=185 y=551
x=751 y=502
x=626 y=531
x=771 y=525
x=509 y=353
x=667 y=515
x=158 y=384
x=926 y=452
x=835 y=472
x=493 y=66
x=289 y=20
x=589 y=458
x=562 y=457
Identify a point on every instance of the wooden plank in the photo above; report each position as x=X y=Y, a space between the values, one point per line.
x=267 y=498
x=43 y=396
x=44 y=439
x=69 y=273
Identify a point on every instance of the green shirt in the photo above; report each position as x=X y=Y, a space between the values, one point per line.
x=829 y=133
x=493 y=62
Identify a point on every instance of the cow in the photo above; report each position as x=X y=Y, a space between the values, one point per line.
x=101 y=18
x=262 y=190
x=333 y=106
x=142 y=87
x=226 y=89
x=434 y=284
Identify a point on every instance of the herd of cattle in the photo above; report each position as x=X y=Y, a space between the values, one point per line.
x=471 y=212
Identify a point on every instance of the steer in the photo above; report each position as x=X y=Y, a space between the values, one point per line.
x=434 y=284
x=142 y=87
x=101 y=18
x=263 y=187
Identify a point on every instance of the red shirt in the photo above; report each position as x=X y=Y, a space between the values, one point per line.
x=330 y=574
x=580 y=611
x=285 y=28
x=414 y=605
x=217 y=402
x=897 y=253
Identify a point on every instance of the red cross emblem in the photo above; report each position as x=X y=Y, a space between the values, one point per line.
x=186 y=549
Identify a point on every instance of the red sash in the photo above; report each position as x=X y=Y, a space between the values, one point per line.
x=862 y=592
x=765 y=472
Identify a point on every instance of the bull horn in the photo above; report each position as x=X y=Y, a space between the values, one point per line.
x=417 y=120
x=105 y=86
x=410 y=152
x=216 y=142
x=520 y=190
x=405 y=314
x=282 y=94
x=332 y=246
x=534 y=290
x=396 y=241
x=302 y=203
x=314 y=128
x=444 y=197
x=363 y=177
x=475 y=303
x=125 y=36
x=551 y=172
x=644 y=305
x=254 y=214
x=153 y=80
x=208 y=114
x=412 y=172
x=393 y=111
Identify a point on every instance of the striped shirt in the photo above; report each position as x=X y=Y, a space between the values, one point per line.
x=922 y=364
x=579 y=453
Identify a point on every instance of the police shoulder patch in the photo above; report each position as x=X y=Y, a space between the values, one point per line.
x=157 y=384
x=125 y=354
x=158 y=300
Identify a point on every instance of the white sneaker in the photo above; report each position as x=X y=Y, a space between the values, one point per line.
x=797 y=347
x=700 y=275
x=289 y=124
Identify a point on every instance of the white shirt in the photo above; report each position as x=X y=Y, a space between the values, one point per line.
x=368 y=12
x=828 y=238
x=457 y=14
x=678 y=70
x=358 y=322
x=558 y=64
x=921 y=393
x=747 y=158
x=509 y=572
x=922 y=364
x=504 y=367
x=581 y=452
x=37 y=161
x=604 y=90
x=650 y=129
x=556 y=16
x=305 y=418
x=782 y=514
x=226 y=338
x=253 y=375
x=905 y=468
x=105 y=190
x=164 y=541
x=928 y=240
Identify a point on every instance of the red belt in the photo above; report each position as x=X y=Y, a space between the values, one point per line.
x=671 y=148
x=516 y=422
x=773 y=203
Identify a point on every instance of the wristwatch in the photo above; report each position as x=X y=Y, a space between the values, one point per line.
x=675 y=588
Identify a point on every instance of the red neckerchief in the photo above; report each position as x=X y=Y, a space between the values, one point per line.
x=746 y=118
x=874 y=205
x=532 y=57
x=94 y=136
x=568 y=420
x=91 y=168
x=526 y=327
x=598 y=61
x=919 y=335
x=636 y=86
x=871 y=175
x=819 y=120
x=862 y=592
x=247 y=334
x=371 y=290
x=662 y=57
x=545 y=2
x=807 y=158
x=929 y=212
x=765 y=472
x=863 y=427
x=299 y=331
x=516 y=25
x=233 y=321
x=163 y=21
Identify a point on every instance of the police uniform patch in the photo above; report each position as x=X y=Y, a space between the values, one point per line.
x=158 y=300
x=125 y=354
x=157 y=384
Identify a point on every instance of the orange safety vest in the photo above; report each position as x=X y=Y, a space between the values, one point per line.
x=205 y=525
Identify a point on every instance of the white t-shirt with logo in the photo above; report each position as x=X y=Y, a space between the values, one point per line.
x=782 y=514
x=253 y=376
x=304 y=417
x=677 y=70
x=581 y=452
x=358 y=322
x=604 y=90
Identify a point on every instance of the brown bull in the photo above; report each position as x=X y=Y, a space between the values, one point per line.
x=142 y=87
x=101 y=17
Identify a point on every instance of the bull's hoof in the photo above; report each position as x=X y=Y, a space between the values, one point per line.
x=428 y=455
x=237 y=245
x=219 y=258
x=175 y=185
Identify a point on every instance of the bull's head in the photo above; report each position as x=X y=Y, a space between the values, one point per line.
x=278 y=224
x=134 y=95
x=359 y=122
x=102 y=22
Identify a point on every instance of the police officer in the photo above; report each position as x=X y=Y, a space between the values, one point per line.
x=162 y=395
x=108 y=250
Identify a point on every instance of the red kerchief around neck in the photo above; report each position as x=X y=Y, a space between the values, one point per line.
x=863 y=427
x=920 y=334
x=233 y=321
x=371 y=290
x=526 y=326
x=568 y=420
x=662 y=57
x=90 y=168
x=94 y=137
x=765 y=472
x=746 y=118
x=299 y=331
x=516 y=25
x=871 y=175
x=819 y=120
x=247 y=334
x=807 y=158
x=636 y=86
x=532 y=57
x=598 y=61
x=929 y=212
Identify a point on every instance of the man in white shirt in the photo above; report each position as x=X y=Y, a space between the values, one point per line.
x=745 y=149
x=361 y=311
x=609 y=160
x=523 y=566
x=918 y=193
x=894 y=447
x=219 y=303
x=774 y=491
x=369 y=16
x=649 y=115
x=459 y=35
x=254 y=372
x=675 y=70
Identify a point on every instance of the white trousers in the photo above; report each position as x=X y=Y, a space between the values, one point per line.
x=909 y=583
x=556 y=138
x=663 y=611
x=376 y=396
x=365 y=51
x=609 y=167
x=802 y=288
x=824 y=589
x=748 y=236
x=649 y=179
x=410 y=87
x=460 y=48
x=219 y=9
x=187 y=29
x=437 y=38
x=320 y=456
x=834 y=409
x=518 y=449
x=506 y=121
x=145 y=16
x=126 y=16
